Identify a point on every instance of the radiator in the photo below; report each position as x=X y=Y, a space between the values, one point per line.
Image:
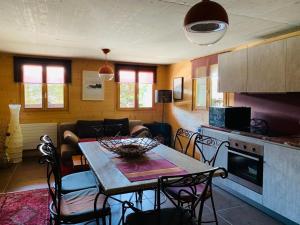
x=33 y=131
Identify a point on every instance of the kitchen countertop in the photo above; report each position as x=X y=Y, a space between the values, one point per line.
x=289 y=141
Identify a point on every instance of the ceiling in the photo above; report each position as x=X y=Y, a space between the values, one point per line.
x=148 y=31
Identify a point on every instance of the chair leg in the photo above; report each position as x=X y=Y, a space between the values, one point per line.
x=140 y=194
x=104 y=220
x=123 y=214
x=109 y=218
x=95 y=209
x=200 y=213
x=214 y=209
x=155 y=200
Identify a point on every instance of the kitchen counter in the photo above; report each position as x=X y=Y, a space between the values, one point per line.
x=289 y=141
x=281 y=166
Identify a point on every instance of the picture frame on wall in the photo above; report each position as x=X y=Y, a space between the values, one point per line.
x=178 y=88
x=92 y=86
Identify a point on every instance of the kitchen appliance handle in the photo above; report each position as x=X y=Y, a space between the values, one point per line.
x=244 y=155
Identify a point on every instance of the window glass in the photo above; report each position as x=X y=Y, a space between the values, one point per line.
x=55 y=87
x=127 y=95
x=145 y=89
x=33 y=78
x=146 y=77
x=200 y=95
x=127 y=89
x=32 y=74
x=216 y=98
x=33 y=96
x=55 y=95
x=55 y=75
x=127 y=76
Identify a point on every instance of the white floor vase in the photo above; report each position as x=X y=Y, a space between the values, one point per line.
x=14 y=139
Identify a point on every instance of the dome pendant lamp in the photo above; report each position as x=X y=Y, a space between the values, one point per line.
x=206 y=23
x=106 y=72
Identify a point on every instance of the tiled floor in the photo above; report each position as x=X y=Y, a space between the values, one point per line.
x=231 y=211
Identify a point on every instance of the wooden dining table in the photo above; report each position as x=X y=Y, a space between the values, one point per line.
x=113 y=182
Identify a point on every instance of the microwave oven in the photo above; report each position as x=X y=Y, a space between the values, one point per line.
x=237 y=118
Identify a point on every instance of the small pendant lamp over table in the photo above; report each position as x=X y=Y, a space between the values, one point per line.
x=106 y=72
x=206 y=23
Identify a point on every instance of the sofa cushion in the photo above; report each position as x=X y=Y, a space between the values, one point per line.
x=71 y=138
x=140 y=131
x=78 y=181
x=89 y=128
x=115 y=127
x=66 y=152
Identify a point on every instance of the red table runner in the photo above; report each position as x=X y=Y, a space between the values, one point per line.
x=151 y=166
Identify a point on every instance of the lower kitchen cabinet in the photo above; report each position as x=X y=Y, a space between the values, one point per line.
x=281 y=176
x=281 y=183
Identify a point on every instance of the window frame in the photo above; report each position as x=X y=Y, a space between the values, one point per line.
x=19 y=62
x=208 y=93
x=137 y=69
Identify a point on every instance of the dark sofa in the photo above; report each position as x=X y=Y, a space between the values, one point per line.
x=69 y=134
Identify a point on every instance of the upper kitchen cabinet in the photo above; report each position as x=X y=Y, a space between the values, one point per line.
x=293 y=64
x=233 y=71
x=266 y=68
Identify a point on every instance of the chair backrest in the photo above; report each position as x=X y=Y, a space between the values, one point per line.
x=209 y=148
x=46 y=139
x=187 y=185
x=183 y=140
x=50 y=156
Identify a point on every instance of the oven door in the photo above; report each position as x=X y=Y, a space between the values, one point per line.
x=246 y=169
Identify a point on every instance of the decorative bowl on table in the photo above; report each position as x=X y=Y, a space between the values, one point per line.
x=128 y=147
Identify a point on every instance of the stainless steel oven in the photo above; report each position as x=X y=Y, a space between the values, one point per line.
x=245 y=164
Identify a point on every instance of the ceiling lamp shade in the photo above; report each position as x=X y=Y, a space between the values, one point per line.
x=206 y=23
x=106 y=72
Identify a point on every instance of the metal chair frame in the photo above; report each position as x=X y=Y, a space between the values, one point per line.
x=53 y=168
x=217 y=145
x=183 y=181
x=208 y=142
x=183 y=133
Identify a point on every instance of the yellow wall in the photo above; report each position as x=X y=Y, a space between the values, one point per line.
x=78 y=109
x=180 y=114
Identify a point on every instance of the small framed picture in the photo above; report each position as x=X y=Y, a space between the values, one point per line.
x=178 y=88
x=92 y=86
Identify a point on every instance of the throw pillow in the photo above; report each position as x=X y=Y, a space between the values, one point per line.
x=140 y=131
x=90 y=128
x=116 y=127
x=71 y=138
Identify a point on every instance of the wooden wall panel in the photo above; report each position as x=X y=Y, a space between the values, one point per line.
x=180 y=114
x=78 y=109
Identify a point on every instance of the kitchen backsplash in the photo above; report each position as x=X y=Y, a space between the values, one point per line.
x=281 y=111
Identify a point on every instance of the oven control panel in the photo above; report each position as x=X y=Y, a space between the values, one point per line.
x=246 y=146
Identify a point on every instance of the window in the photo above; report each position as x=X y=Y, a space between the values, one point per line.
x=205 y=91
x=135 y=87
x=216 y=98
x=43 y=84
x=200 y=93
